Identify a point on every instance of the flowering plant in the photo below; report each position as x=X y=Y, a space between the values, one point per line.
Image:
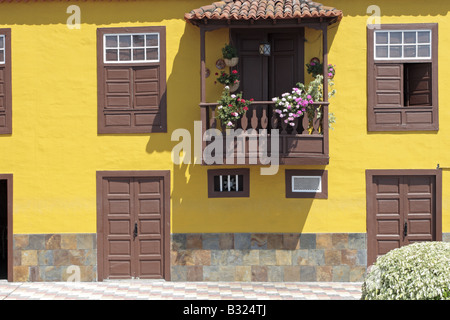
x=231 y=108
x=299 y=101
x=292 y=105
x=228 y=79
x=315 y=68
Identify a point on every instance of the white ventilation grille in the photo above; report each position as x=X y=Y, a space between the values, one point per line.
x=306 y=184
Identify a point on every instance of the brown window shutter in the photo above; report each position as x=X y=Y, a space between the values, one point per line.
x=5 y=86
x=386 y=98
x=132 y=96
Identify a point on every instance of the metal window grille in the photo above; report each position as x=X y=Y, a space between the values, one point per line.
x=306 y=184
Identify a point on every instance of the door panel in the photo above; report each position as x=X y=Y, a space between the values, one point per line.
x=252 y=66
x=388 y=207
x=419 y=212
x=401 y=209
x=118 y=213
x=285 y=64
x=149 y=242
x=134 y=211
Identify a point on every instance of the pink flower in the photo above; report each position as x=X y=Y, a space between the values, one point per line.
x=234 y=71
x=312 y=63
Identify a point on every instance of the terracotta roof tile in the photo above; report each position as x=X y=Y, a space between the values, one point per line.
x=262 y=9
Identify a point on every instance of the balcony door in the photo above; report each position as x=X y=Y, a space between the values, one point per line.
x=264 y=77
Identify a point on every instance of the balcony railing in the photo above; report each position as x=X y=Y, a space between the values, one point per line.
x=304 y=143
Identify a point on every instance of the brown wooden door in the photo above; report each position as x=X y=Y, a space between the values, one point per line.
x=134 y=221
x=401 y=209
x=265 y=77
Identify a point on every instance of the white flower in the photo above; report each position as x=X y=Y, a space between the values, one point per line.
x=274 y=99
x=219 y=107
x=233 y=96
x=227 y=88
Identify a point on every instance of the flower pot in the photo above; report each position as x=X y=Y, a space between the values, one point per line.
x=234 y=87
x=231 y=62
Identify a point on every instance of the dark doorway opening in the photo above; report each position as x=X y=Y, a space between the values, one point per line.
x=3 y=229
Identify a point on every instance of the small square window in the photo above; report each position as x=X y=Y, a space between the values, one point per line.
x=306 y=184
x=228 y=183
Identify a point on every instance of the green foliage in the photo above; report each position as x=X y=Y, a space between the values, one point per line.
x=231 y=108
x=315 y=68
x=229 y=51
x=315 y=90
x=420 y=271
x=228 y=78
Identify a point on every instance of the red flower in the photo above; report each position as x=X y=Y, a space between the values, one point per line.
x=242 y=100
x=245 y=108
x=234 y=71
x=230 y=105
x=251 y=99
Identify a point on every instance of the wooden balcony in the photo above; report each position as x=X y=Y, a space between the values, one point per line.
x=305 y=143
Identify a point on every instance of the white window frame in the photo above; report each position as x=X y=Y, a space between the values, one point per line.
x=145 y=47
x=402 y=44
x=3 y=48
x=307 y=191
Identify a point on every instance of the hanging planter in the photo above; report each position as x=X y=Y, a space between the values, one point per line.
x=234 y=86
x=229 y=79
x=229 y=54
x=231 y=62
x=315 y=67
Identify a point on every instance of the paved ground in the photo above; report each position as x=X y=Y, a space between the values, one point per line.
x=161 y=290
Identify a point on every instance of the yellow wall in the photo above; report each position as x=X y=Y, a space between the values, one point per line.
x=55 y=151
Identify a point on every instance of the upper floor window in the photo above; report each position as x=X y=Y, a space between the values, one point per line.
x=5 y=82
x=402 y=88
x=131 y=75
x=2 y=49
x=137 y=47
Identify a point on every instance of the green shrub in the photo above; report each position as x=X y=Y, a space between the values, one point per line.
x=420 y=271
